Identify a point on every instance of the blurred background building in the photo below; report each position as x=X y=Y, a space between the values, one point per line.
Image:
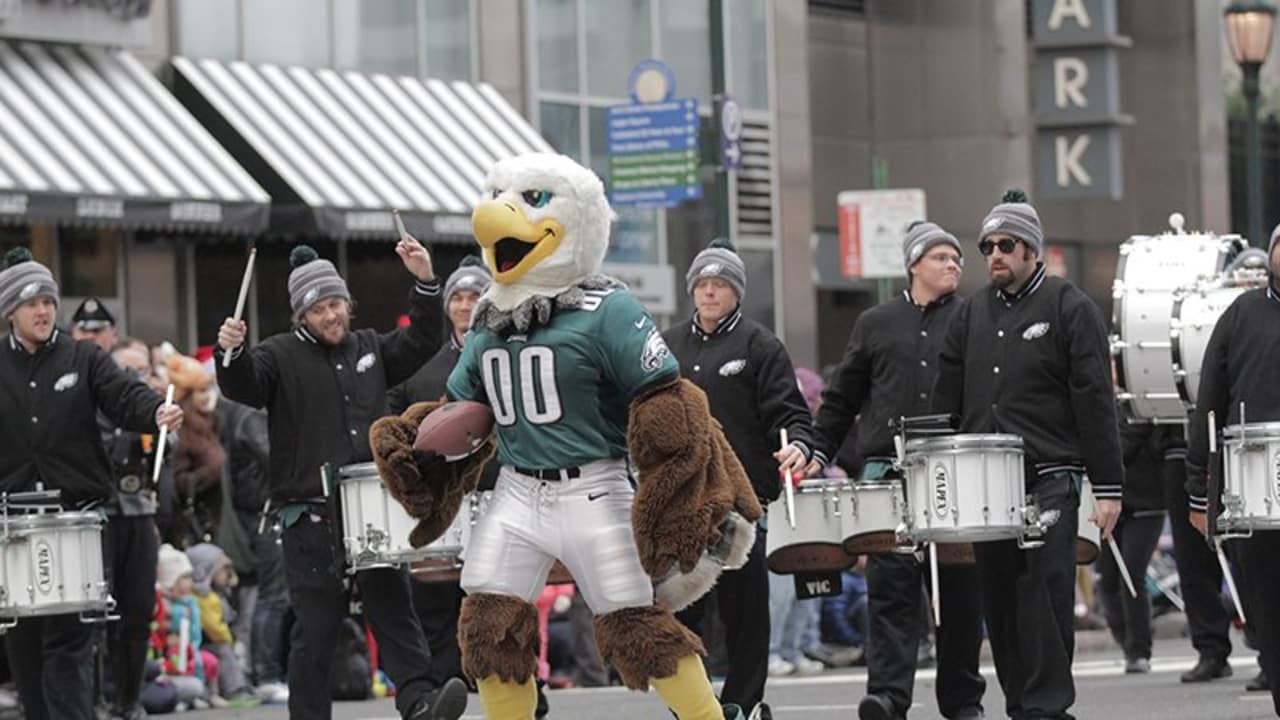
x=149 y=141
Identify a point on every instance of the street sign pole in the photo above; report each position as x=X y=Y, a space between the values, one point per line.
x=880 y=181
x=717 y=95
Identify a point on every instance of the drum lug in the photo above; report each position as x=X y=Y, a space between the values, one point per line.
x=7 y=624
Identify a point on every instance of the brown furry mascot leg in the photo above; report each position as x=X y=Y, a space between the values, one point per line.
x=649 y=646
x=498 y=636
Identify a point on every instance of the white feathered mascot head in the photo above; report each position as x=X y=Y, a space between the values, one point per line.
x=543 y=226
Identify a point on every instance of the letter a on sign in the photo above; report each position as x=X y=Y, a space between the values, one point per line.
x=1074 y=9
x=1067 y=153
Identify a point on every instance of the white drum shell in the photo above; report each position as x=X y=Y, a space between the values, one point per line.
x=1251 y=477
x=815 y=543
x=375 y=528
x=965 y=488
x=52 y=565
x=1150 y=270
x=871 y=518
x=1195 y=313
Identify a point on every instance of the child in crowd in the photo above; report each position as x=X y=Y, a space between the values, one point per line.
x=212 y=578
x=176 y=636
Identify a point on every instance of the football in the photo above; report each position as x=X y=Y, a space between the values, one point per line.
x=455 y=430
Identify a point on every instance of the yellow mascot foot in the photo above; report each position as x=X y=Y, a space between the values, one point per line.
x=689 y=692
x=507 y=700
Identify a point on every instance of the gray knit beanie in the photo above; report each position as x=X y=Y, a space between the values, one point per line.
x=1271 y=247
x=23 y=279
x=923 y=236
x=472 y=274
x=721 y=260
x=1016 y=217
x=312 y=280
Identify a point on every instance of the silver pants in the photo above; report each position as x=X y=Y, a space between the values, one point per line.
x=584 y=522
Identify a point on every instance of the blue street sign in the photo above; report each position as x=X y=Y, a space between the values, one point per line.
x=730 y=134
x=653 y=153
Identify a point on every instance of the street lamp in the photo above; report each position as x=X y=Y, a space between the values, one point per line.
x=1249 y=34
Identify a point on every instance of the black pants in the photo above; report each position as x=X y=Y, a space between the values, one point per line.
x=438 y=605
x=1027 y=598
x=52 y=662
x=742 y=597
x=268 y=635
x=1256 y=560
x=1199 y=576
x=1129 y=618
x=898 y=619
x=314 y=573
x=130 y=547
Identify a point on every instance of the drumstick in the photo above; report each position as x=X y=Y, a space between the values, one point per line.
x=933 y=578
x=1124 y=571
x=790 y=493
x=244 y=293
x=1231 y=581
x=164 y=437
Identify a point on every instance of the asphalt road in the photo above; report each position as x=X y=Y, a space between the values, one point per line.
x=1103 y=691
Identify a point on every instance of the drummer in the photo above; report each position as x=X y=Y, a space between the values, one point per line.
x=323 y=385
x=52 y=388
x=888 y=371
x=1240 y=368
x=1028 y=355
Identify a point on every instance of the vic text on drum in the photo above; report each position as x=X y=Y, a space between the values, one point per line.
x=888 y=371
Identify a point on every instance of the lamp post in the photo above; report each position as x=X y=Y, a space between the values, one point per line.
x=1249 y=35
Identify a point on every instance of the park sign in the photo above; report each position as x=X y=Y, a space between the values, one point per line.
x=1076 y=98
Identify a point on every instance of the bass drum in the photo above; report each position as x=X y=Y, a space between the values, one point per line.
x=1196 y=310
x=1150 y=270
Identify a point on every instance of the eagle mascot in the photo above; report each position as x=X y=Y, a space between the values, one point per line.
x=611 y=463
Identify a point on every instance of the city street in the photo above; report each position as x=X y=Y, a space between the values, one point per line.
x=1104 y=693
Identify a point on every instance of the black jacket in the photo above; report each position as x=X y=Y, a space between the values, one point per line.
x=888 y=371
x=428 y=383
x=321 y=400
x=49 y=422
x=1036 y=364
x=1144 y=445
x=752 y=389
x=1240 y=365
x=243 y=431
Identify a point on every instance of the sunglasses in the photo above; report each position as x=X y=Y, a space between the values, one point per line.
x=1006 y=245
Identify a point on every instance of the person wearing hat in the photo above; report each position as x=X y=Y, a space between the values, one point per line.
x=888 y=371
x=94 y=322
x=751 y=387
x=1028 y=355
x=53 y=388
x=323 y=385
x=1240 y=369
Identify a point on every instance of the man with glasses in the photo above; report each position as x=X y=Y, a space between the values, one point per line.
x=1028 y=356
x=888 y=371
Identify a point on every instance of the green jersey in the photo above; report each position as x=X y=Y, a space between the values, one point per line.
x=560 y=393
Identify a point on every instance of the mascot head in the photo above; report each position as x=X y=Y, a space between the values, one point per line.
x=543 y=226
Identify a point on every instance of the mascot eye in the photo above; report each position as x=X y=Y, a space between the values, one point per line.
x=536 y=198
x=496 y=193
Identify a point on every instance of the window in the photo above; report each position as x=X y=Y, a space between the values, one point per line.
x=686 y=45
x=617 y=38
x=748 y=54
x=379 y=36
x=557 y=45
x=207 y=28
x=448 y=39
x=561 y=126
x=88 y=262
x=287 y=32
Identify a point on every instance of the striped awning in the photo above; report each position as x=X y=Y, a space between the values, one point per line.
x=339 y=150
x=90 y=136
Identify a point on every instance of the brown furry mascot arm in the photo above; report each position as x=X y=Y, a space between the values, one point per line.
x=690 y=477
x=429 y=489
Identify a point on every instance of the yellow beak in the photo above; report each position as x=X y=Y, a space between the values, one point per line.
x=512 y=244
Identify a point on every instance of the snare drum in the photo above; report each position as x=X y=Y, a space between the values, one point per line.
x=965 y=488
x=1150 y=270
x=815 y=544
x=1196 y=310
x=872 y=516
x=375 y=528
x=52 y=564
x=1088 y=535
x=1251 y=477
